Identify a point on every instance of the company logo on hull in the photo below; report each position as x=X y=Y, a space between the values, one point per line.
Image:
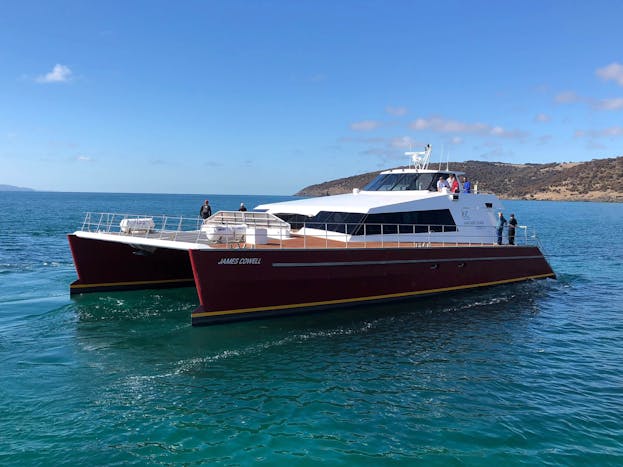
x=240 y=261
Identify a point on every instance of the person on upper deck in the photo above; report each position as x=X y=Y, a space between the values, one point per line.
x=454 y=184
x=206 y=210
x=442 y=185
x=467 y=185
x=242 y=207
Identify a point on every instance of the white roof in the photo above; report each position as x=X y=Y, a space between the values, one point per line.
x=424 y=171
x=362 y=202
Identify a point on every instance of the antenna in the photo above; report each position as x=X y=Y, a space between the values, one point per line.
x=443 y=148
x=420 y=159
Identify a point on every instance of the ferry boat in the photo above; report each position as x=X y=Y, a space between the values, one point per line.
x=398 y=238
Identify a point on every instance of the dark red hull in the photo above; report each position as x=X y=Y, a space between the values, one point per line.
x=237 y=284
x=247 y=284
x=103 y=265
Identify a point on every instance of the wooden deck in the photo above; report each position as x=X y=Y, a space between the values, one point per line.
x=300 y=242
x=293 y=242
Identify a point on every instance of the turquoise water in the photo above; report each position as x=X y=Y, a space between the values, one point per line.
x=514 y=375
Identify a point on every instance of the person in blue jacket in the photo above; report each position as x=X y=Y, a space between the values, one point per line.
x=500 y=226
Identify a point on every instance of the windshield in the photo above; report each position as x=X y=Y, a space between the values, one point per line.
x=400 y=182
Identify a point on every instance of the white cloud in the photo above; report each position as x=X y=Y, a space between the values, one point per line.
x=612 y=132
x=442 y=125
x=595 y=145
x=396 y=111
x=351 y=139
x=318 y=77
x=615 y=103
x=497 y=153
x=567 y=97
x=59 y=74
x=83 y=158
x=365 y=125
x=405 y=142
x=613 y=72
x=542 y=118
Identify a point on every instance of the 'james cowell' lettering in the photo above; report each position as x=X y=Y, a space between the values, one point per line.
x=240 y=261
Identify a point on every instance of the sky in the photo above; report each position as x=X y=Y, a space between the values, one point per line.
x=267 y=97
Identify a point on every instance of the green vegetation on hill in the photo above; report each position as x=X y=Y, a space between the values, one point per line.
x=596 y=180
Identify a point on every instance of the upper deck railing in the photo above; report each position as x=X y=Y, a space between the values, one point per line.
x=189 y=229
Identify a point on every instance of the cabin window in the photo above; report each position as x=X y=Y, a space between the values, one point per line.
x=402 y=182
x=343 y=222
x=405 y=181
x=352 y=223
x=384 y=182
x=295 y=220
x=428 y=182
x=439 y=220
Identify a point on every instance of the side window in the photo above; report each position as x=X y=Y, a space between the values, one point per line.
x=425 y=182
x=439 y=220
x=433 y=184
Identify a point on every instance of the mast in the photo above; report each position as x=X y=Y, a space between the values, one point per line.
x=420 y=159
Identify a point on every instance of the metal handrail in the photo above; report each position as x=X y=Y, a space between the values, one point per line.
x=188 y=229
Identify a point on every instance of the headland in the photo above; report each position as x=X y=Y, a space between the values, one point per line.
x=595 y=180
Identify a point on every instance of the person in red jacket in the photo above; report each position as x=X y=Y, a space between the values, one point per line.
x=454 y=184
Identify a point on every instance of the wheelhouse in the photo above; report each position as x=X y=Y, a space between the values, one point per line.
x=396 y=180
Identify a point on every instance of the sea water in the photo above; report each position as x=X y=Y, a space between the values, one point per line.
x=530 y=373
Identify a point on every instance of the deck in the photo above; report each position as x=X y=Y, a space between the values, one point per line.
x=189 y=233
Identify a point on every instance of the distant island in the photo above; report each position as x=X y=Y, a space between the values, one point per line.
x=14 y=188
x=596 y=180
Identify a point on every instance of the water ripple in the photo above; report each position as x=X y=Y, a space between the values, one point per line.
x=521 y=374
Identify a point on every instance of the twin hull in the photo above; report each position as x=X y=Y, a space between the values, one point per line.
x=236 y=284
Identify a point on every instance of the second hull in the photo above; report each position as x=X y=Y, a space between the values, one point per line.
x=107 y=266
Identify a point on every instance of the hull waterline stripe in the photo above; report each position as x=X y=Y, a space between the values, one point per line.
x=400 y=261
x=365 y=299
x=116 y=284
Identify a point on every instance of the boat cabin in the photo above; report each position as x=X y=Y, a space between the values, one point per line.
x=402 y=202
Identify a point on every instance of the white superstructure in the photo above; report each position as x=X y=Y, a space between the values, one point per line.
x=402 y=206
x=402 y=203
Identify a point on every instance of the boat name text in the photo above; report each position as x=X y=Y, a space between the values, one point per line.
x=240 y=261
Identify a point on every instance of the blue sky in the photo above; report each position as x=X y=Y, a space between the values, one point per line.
x=266 y=97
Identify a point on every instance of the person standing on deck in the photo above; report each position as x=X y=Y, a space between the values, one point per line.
x=500 y=226
x=467 y=185
x=512 y=223
x=242 y=207
x=206 y=210
x=454 y=184
x=442 y=185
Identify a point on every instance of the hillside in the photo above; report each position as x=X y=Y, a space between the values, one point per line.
x=596 y=180
x=14 y=188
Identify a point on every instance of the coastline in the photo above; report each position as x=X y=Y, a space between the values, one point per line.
x=593 y=181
